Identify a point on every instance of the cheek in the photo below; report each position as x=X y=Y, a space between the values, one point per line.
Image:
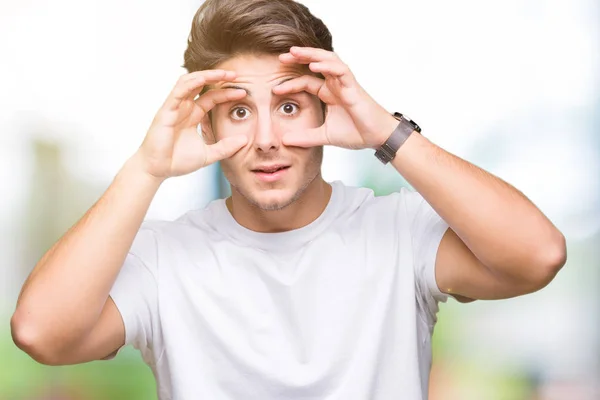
x=314 y=115
x=238 y=163
x=229 y=169
x=238 y=128
x=306 y=119
x=311 y=157
x=224 y=127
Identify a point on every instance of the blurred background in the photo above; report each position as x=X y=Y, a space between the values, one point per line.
x=510 y=85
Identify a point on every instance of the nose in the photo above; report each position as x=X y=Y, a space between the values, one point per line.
x=267 y=137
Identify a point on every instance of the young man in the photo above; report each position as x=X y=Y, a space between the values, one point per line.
x=293 y=287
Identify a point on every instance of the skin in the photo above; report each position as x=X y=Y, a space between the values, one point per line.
x=263 y=117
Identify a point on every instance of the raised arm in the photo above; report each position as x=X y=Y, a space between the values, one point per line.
x=64 y=314
x=499 y=244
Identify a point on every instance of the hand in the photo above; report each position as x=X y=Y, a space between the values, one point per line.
x=173 y=146
x=353 y=121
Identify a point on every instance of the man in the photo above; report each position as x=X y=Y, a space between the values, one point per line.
x=293 y=287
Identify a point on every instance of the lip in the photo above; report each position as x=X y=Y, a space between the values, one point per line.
x=279 y=172
x=269 y=167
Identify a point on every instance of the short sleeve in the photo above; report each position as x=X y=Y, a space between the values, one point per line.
x=135 y=293
x=427 y=229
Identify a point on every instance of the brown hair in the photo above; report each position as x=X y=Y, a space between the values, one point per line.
x=223 y=29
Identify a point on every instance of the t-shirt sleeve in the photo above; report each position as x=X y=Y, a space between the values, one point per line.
x=135 y=292
x=427 y=229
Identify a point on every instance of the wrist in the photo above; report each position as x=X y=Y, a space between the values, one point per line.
x=135 y=168
x=389 y=124
x=404 y=128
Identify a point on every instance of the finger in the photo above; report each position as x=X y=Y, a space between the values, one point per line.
x=211 y=99
x=194 y=82
x=212 y=78
x=334 y=68
x=188 y=86
x=305 y=83
x=306 y=55
x=313 y=53
x=288 y=58
x=306 y=138
x=225 y=148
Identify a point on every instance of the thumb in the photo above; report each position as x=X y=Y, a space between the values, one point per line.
x=305 y=138
x=224 y=148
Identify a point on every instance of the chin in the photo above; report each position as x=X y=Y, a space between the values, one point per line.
x=273 y=199
x=275 y=196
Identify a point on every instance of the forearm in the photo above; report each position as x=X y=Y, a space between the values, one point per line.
x=500 y=226
x=66 y=291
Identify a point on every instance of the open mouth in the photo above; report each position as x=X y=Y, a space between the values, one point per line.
x=270 y=170
x=271 y=173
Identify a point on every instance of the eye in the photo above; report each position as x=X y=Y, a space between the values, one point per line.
x=239 y=113
x=289 y=109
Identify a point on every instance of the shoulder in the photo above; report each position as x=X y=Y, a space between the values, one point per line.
x=191 y=224
x=366 y=200
x=361 y=208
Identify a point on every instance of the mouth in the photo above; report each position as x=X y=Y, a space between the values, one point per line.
x=270 y=169
x=270 y=173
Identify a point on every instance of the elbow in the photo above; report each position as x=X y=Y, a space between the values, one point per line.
x=31 y=340
x=552 y=257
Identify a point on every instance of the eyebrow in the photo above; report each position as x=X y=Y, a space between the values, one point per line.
x=248 y=92
x=237 y=87
x=285 y=80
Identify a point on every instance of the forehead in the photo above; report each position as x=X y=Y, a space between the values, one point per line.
x=261 y=70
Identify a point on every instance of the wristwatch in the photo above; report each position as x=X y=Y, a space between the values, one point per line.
x=405 y=128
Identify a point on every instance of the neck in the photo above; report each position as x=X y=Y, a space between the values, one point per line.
x=307 y=208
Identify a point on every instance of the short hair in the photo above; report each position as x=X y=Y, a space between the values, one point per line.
x=223 y=29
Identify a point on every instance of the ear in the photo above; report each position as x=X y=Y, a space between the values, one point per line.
x=207 y=132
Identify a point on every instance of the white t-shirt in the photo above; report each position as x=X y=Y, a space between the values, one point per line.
x=343 y=308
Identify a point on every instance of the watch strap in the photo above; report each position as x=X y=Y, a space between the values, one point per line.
x=405 y=128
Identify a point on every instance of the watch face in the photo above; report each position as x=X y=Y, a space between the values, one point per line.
x=401 y=117
x=407 y=119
